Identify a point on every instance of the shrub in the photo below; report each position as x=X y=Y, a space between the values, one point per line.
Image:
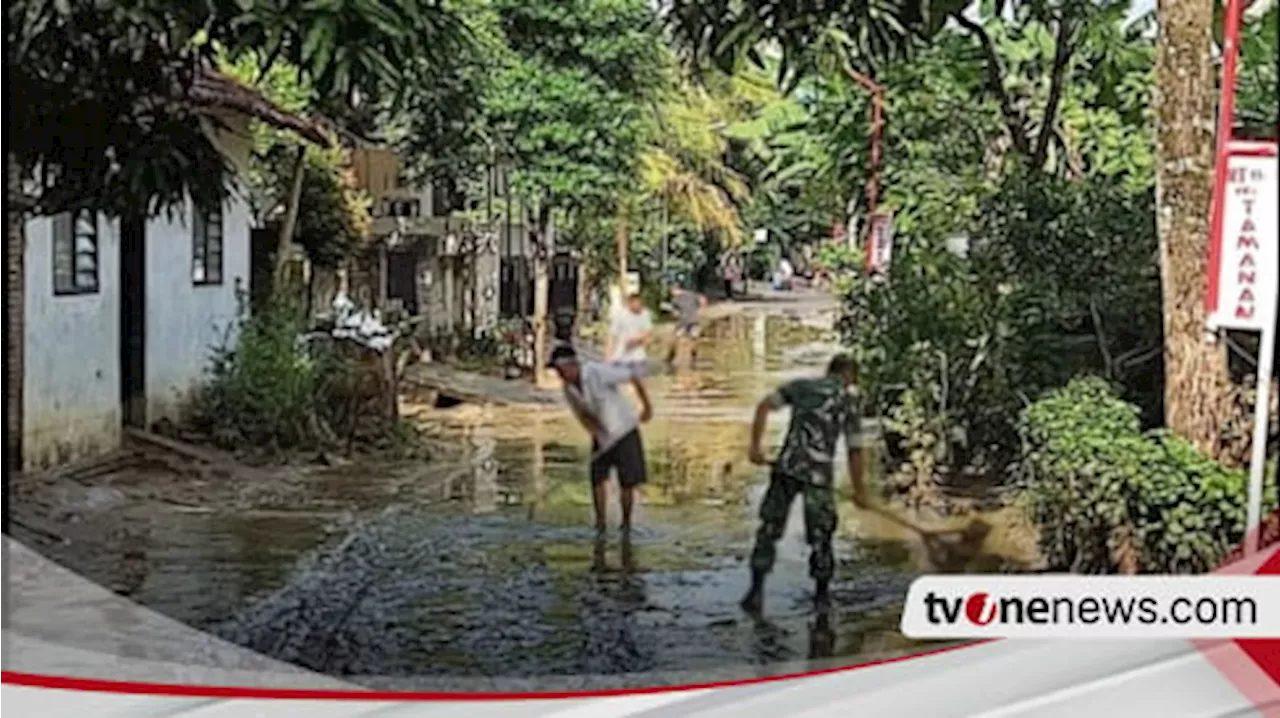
x=275 y=391
x=938 y=335
x=1109 y=498
x=263 y=389
x=1059 y=278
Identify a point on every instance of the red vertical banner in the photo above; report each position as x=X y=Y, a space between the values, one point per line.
x=1226 y=124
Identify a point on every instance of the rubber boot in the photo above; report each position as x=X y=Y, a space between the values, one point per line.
x=753 y=602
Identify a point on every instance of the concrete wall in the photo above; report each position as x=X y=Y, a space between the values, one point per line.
x=186 y=322
x=71 y=386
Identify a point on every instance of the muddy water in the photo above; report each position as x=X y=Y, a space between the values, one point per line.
x=483 y=565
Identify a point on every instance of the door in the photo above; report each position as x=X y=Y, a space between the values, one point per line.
x=564 y=283
x=402 y=278
x=133 y=321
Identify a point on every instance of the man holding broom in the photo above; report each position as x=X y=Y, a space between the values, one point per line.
x=822 y=410
x=592 y=392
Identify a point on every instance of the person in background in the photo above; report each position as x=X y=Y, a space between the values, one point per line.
x=592 y=391
x=688 y=305
x=630 y=332
x=783 y=275
x=730 y=271
x=822 y=410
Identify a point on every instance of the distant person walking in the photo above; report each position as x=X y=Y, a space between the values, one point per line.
x=783 y=275
x=730 y=271
x=592 y=391
x=630 y=332
x=688 y=305
x=822 y=410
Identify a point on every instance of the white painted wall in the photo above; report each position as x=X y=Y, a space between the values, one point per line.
x=71 y=387
x=186 y=321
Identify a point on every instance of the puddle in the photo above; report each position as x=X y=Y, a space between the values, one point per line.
x=483 y=563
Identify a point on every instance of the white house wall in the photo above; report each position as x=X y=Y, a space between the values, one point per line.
x=187 y=322
x=71 y=387
x=71 y=373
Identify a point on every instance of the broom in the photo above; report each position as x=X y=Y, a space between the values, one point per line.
x=948 y=549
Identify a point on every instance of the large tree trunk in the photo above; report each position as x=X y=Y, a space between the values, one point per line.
x=1198 y=392
x=14 y=326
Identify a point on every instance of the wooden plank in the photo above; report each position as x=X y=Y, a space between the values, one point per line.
x=475 y=388
x=181 y=448
x=92 y=466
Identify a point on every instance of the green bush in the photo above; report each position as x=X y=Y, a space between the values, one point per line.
x=938 y=335
x=272 y=391
x=1059 y=279
x=1109 y=498
x=263 y=389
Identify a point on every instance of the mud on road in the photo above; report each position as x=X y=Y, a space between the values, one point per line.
x=478 y=570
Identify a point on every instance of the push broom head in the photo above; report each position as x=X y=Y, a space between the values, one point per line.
x=953 y=550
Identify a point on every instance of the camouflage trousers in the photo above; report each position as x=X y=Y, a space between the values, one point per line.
x=819 y=524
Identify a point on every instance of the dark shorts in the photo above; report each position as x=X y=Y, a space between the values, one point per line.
x=626 y=456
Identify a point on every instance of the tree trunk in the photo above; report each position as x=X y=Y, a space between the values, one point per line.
x=622 y=241
x=1198 y=392
x=290 y=220
x=583 y=291
x=14 y=325
x=541 y=290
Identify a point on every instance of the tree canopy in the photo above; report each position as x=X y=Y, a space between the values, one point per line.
x=100 y=133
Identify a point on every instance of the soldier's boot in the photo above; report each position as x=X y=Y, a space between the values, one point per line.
x=753 y=602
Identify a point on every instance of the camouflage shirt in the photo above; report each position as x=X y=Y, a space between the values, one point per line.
x=822 y=410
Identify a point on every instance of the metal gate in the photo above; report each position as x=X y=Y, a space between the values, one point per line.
x=516 y=285
x=564 y=283
x=515 y=288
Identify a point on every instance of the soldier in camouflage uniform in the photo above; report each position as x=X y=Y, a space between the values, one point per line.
x=822 y=410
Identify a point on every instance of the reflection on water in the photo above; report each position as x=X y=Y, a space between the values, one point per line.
x=484 y=562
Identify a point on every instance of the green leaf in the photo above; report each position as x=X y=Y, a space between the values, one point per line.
x=317 y=47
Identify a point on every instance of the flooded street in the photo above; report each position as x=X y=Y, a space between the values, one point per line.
x=483 y=565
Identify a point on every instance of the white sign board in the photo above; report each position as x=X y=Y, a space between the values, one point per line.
x=1243 y=287
x=881 y=249
x=1246 y=285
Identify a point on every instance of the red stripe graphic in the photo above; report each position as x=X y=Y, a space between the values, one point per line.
x=195 y=691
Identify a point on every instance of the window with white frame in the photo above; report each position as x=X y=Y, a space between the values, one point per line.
x=75 y=252
x=206 y=266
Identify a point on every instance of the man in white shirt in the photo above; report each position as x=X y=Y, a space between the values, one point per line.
x=629 y=333
x=593 y=392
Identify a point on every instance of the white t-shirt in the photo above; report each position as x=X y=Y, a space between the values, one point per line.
x=599 y=394
x=628 y=325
